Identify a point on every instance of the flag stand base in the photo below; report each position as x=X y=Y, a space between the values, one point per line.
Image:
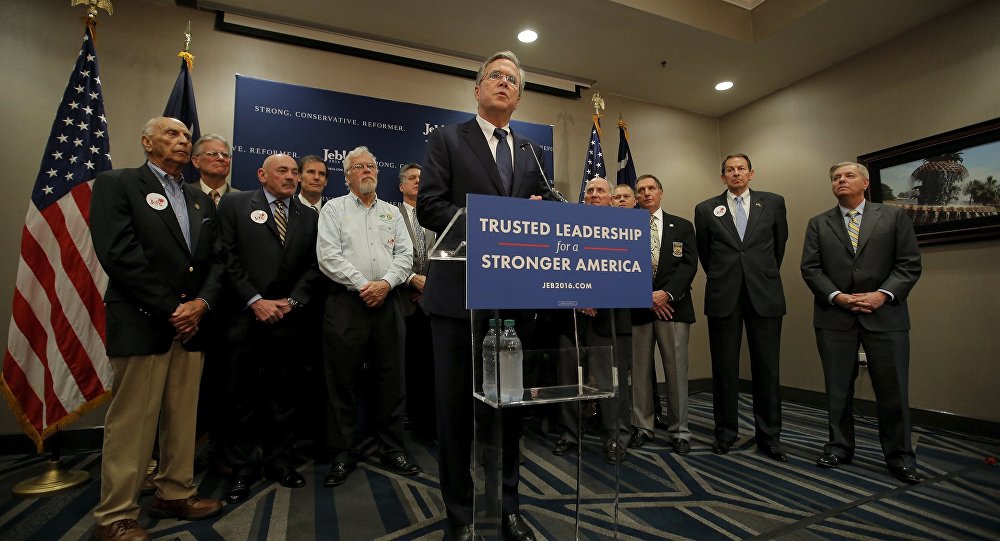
x=55 y=479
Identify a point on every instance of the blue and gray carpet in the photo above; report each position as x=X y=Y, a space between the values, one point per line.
x=700 y=496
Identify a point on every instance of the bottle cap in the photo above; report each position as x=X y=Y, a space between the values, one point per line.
x=508 y=323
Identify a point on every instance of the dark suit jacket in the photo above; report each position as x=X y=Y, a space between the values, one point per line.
x=728 y=261
x=150 y=268
x=429 y=238
x=888 y=258
x=459 y=162
x=675 y=271
x=256 y=262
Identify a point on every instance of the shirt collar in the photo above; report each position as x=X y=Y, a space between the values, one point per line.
x=732 y=197
x=271 y=199
x=860 y=208
x=162 y=175
x=488 y=128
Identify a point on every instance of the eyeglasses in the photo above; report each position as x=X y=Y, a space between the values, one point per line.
x=363 y=166
x=214 y=154
x=495 y=76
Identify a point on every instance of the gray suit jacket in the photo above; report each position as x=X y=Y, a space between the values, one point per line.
x=888 y=258
x=420 y=265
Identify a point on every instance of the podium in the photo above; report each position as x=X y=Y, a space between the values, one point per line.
x=560 y=366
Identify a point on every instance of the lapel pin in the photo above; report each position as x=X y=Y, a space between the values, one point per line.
x=197 y=206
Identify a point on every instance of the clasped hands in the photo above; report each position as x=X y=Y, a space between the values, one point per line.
x=186 y=317
x=270 y=311
x=860 y=303
x=373 y=293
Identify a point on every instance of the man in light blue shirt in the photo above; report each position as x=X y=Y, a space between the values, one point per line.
x=364 y=249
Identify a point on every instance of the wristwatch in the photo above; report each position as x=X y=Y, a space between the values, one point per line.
x=292 y=302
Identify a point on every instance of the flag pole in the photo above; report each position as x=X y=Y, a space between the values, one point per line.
x=56 y=478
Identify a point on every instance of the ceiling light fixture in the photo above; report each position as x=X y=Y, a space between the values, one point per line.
x=527 y=36
x=724 y=85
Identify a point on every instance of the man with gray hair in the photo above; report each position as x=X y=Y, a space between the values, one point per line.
x=476 y=156
x=861 y=259
x=212 y=157
x=365 y=251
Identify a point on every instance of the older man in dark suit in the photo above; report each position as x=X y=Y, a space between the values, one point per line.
x=267 y=242
x=481 y=156
x=153 y=234
x=861 y=259
x=741 y=242
x=667 y=321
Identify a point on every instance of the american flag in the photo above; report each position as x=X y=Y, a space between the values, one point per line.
x=594 y=165
x=626 y=169
x=55 y=367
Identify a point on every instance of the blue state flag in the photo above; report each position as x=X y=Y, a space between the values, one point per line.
x=181 y=105
x=626 y=169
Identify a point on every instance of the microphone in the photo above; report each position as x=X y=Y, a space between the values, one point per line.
x=548 y=184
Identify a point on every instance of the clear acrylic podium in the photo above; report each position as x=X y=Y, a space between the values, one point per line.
x=568 y=374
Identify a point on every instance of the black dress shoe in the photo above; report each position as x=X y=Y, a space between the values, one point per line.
x=515 y=529
x=563 y=447
x=681 y=446
x=720 y=448
x=774 y=453
x=399 y=464
x=465 y=534
x=291 y=479
x=660 y=422
x=906 y=475
x=239 y=490
x=614 y=452
x=337 y=473
x=639 y=438
x=830 y=460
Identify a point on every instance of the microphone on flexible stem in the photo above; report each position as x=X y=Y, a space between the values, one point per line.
x=552 y=189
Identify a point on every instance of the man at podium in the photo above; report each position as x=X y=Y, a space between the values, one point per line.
x=480 y=156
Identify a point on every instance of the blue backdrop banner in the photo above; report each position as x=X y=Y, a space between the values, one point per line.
x=272 y=117
x=543 y=254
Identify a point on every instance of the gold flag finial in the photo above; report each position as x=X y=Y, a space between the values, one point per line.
x=93 y=5
x=598 y=102
x=186 y=53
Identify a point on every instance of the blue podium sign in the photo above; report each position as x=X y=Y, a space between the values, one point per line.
x=543 y=254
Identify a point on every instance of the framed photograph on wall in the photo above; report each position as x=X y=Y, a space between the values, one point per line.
x=949 y=184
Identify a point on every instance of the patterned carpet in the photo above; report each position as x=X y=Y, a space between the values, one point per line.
x=701 y=496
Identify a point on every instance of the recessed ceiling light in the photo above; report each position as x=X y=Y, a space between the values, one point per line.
x=527 y=36
x=724 y=85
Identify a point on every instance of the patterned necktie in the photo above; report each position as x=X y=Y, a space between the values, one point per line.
x=741 y=217
x=654 y=242
x=279 y=219
x=504 y=161
x=420 y=249
x=215 y=195
x=854 y=229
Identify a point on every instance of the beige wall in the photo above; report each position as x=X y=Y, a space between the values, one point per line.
x=939 y=78
x=936 y=78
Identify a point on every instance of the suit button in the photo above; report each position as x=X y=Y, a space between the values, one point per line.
x=184 y=295
x=190 y=269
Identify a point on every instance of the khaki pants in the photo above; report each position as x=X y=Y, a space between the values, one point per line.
x=149 y=390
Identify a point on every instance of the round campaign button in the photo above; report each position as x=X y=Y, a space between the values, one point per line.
x=720 y=210
x=258 y=216
x=156 y=201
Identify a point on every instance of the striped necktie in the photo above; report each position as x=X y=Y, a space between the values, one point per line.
x=854 y=228
x=280 y=219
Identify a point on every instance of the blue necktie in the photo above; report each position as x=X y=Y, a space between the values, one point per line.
x=504 y=161
x=741 y=217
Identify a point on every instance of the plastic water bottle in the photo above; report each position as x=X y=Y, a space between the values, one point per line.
x=490 y=362
x=511 y=364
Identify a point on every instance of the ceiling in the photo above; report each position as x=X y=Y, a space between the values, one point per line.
x=619 y=46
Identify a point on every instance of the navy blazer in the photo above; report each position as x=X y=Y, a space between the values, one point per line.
x=150 y=268
x=888 y=258
x=675 y=270
x=757 y=258
x=256 y=261
x=459 y=162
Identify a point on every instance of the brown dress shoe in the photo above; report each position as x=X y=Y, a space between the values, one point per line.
x=120 y=530
x=193 y=508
